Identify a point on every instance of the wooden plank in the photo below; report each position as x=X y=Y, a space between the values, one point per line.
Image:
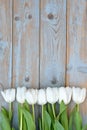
x=77 y=47
x=26 y=44
x=53 y=43
x=5 y=46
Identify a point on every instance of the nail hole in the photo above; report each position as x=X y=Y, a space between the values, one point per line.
x=50 y=16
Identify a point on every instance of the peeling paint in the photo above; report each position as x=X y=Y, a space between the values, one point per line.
x=3 y=47
x=82 y=69
x=10 y=66
x=18 y=58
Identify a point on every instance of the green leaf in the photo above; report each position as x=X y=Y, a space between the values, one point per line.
x=20 y=107
x=63 y=116
x=71 y=119
x=5 y=111
x=58 y=126
x=71 y=122
x=85 y=127
x=49 y=108
x=40 y=125
x=62 y=108
x=78 y=121
x=19 y=114
x=29 y=119
x=45 y=107
x=4 y=122
x=26 y=106
x=75 y=119
x=24 y=123
x=47 y=121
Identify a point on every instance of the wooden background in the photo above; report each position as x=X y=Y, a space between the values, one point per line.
x=43 y=43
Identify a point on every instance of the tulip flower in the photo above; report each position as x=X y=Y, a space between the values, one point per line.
x=52 y=95
x=41 y=100
x=65 y=94
x=9 y=97
x=78 y=95
x=31 y=98
x=20 y=96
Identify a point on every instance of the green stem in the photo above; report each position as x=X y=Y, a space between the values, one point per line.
x=78 y=107
x=33 y=112
x=42 y=117
x=53 y=111
x=21 y=120
x=10 y=111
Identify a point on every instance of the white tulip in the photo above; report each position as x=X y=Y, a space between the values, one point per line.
x=8 y=95
x=41 y=100
x=65 y=94
x=20 y=96
x=78 y=95
x=52 y=95
x=31 y=96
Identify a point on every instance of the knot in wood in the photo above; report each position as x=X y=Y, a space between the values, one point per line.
x=54 y=81
x=17 y=18
x=27 y=78
x=28 y=16
x=50 y=16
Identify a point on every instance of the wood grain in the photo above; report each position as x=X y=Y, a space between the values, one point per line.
x=52 y=43
x=25 y=44
x=5 y=46
x=77 y=47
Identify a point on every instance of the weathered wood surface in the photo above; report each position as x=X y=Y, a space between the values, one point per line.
x=41 y=40
x=77 y=47
x=5 y=46
x=25 y=44
x=52 y=43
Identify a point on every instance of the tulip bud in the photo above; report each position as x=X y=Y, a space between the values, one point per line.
x=31 y=96
x=41 y=100
x=20 y=96
x=52 y=95
x=8 y=95
x=78 y=95
x=65 y=94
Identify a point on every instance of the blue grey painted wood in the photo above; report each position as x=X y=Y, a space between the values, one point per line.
x=25 y=45
x=39 y=44
x=53 y=43
x=77 y=47
x=5 y=46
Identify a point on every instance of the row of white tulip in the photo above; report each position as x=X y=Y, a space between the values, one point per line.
x=42 y=96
